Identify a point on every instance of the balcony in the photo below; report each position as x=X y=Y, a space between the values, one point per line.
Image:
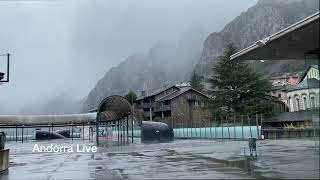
x=145 y=105
x=163 y=108
x=147 y=114
x=192 y=97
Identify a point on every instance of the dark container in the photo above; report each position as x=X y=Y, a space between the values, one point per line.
x=2 y=140
x=252 y=144
x=44 y=135
x=64 y=132
x=155 y=132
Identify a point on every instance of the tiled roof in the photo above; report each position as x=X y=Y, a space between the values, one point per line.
x=155 y=92
x=310 y=83
x=174 y=94
x=306 y=72
x=178 y=93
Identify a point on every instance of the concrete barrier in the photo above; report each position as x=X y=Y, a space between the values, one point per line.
x=290 y=133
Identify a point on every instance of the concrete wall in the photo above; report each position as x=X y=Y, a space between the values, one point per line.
x=306 y=115
x=290 y=133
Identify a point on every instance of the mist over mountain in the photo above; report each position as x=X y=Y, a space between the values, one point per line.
x=63 y=47
x=169 y=63
x=164 y=64
x=67 y=55
x=60 y=104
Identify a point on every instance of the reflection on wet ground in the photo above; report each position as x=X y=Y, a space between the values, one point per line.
x=182 y=159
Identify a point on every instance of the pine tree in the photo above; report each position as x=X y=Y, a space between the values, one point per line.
x=131 y=97
x=196 y=82
x=237 y=88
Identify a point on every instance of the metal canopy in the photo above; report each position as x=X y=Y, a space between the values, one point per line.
x=115 y=111
x=113 y=108
x=47 y=119
x=293 y=42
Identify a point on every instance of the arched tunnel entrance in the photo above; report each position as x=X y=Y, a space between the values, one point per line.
x=114 y=117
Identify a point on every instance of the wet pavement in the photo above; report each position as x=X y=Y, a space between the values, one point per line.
x=182 y=159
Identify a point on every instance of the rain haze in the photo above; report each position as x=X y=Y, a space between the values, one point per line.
x=61 y=48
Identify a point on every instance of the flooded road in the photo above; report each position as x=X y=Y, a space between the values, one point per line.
x=182 y=159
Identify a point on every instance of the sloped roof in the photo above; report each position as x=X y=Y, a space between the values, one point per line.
x=156 y=92
x=306 y=72
x=180 y=92
x=292 y=42
x=309 y=84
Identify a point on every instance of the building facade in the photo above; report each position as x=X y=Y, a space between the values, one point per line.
x=285 y=80
x=178 y=106
x=302 y=96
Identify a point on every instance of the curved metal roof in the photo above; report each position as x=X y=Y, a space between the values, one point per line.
x=113 y=108
x=47 y=119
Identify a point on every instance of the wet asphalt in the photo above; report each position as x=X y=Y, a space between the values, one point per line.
x=181 y=159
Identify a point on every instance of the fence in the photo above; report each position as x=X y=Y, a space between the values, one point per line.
x=25 y=133
x=239 y=128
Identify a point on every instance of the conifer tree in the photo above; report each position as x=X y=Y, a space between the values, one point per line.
x=196 y=81
x=238 y=89
x=131 y=97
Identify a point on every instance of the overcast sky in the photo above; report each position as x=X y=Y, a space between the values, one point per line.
x=66 y=46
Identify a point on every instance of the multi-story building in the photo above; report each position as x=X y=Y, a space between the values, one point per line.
x=285 y=80
x=301 y=96
x=178 y=106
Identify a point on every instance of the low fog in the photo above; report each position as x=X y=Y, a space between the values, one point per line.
x=61 y=48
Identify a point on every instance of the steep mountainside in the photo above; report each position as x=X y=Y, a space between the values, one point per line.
x=163 y=64
x=171 y=63
x=260 y=21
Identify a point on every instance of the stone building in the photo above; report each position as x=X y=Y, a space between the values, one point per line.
x=178 y=106
x=303 y=96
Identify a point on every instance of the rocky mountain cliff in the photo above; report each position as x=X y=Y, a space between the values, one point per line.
x=170 y=63
x=164 y=64
x=259 y=21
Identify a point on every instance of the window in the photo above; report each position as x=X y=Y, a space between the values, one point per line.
x=290 y=104
x=196 y=103
x=305 y=102
x=202 y=104
x=298 y=104
x=166 y=102
x=312 y=102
